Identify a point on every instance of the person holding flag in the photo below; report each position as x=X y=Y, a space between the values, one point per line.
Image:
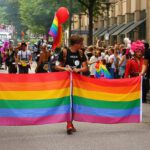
x=73 y=60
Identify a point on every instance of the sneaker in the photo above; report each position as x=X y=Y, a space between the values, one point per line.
x=69 y=131
x=70 y=128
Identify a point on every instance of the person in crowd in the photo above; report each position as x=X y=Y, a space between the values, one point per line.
x=11 y=59
x=146 y=71
x=42 y=65
x=146 y=63
x=134 y=65
x=122 y=62
x=1 y=59
x=24 y=59
x=111 y=62
x=89 y=52
x=53 y=58
x=92 y=62
x=72 y=59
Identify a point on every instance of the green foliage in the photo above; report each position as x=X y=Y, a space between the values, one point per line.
x=3 y=16
x=34 y=15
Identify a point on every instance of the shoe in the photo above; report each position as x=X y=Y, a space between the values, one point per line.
x=70 y=128
x=69 y=131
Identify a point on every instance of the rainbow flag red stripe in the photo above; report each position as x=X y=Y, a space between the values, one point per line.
x=107 y=101
x=34 y=99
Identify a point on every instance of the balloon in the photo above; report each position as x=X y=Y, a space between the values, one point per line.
x=62 y=14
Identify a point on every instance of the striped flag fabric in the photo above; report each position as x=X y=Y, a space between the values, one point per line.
x=107 y=101
x=56 y=32
x=34 y=99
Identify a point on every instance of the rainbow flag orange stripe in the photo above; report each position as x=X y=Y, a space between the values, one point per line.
x=34 y=99
x=107 y=101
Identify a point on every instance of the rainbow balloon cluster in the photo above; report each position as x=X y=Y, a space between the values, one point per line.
x=55 y=31
x=101 y=71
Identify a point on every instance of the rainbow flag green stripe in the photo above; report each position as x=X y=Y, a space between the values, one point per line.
x=105 y=104
x=28 y=104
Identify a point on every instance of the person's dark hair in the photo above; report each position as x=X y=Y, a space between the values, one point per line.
x=23 y=44
x=146 y=45
x=76 y=39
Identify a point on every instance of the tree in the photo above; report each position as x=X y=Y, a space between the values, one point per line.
x=12 y=14
x=92 y=7
x=3 y=16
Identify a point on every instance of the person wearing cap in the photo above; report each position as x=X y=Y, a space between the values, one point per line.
x=24 y=59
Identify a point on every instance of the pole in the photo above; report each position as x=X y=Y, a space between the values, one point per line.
x=70 y=20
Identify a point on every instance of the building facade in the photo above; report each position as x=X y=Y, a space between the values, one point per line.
x=127 y=18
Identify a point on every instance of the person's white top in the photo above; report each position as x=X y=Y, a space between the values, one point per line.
x=93 y=60
x=24 y=54
x=112 y=59
x=124 y=62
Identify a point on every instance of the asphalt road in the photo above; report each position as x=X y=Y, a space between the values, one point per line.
x=87 y=137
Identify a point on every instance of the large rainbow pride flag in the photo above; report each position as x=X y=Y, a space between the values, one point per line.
x=107 y=101
x=36 y=99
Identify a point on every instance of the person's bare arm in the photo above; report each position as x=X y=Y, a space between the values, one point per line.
x=83 y=69
x=60 y=67
x=144 y=67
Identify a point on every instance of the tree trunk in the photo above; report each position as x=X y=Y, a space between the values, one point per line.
x=90 y=37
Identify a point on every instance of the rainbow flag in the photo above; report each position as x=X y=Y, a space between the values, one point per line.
x=101 y=71
x=56 y=32
x=34 y=99
x=54 y=28
x=107 y=101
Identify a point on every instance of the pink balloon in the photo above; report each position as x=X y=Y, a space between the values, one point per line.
x=62 y=14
